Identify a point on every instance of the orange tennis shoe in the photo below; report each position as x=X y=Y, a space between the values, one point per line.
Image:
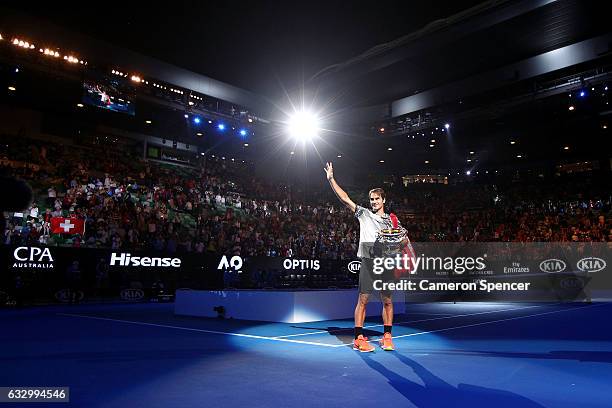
x=386 y=343
x=361 y=344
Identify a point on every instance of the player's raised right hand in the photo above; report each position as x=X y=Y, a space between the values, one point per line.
x=329 y=170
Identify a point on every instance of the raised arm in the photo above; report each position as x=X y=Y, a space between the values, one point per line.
x=329 y=171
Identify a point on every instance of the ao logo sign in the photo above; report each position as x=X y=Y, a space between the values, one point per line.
x=552 y=265
x=33 y=254
x=235 y=263
x=591 y=264
x=354 y=266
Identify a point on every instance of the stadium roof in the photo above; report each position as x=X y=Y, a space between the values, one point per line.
x=500 y=72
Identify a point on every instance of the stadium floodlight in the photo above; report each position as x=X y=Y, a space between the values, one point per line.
x=303 y=126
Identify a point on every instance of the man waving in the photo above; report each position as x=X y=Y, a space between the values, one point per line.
x=371 y=221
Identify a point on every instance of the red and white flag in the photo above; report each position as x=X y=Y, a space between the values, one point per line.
x=61 y=225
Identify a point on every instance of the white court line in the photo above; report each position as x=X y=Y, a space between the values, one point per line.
x=430 y=314
x=411 y=321
x=479 y=324
x=251 y=336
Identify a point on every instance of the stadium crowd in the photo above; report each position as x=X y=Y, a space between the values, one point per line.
x=127 y=202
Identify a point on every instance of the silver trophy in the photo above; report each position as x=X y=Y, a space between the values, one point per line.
x=390 y=240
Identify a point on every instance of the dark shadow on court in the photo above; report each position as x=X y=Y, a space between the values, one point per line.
x=437 y=393
x=577 y=355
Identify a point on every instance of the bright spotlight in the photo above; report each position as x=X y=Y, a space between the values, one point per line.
x=243 y=132
x=221 y=126
x=468 y=172
x=197 y=120
x=447 y=125
x=303 y=126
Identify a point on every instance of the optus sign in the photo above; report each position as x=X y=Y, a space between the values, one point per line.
x=292 y=264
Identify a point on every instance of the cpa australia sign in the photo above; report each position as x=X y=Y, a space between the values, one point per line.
x=32 y=257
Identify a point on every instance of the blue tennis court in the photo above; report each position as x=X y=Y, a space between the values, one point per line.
x=467 y=354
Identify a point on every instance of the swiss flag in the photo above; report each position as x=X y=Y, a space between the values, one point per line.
x=61 y=225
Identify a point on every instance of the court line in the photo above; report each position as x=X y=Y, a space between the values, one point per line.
x=411 y=321
x=430 y=314
x=251 y=336
x=478 y=324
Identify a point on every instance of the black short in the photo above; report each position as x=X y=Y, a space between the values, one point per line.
x=367 y=277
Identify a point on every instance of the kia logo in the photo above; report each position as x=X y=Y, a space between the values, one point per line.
x=571 y=283
x=132 y=294
x=354 y=266
x=65 y=295
x=591 y=264
x=553 y=265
